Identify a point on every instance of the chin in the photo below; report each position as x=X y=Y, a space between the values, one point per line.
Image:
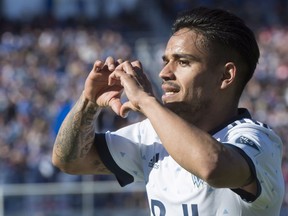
x=186 y=111
x=177 y=107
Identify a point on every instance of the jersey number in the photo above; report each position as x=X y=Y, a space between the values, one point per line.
x=156 y=204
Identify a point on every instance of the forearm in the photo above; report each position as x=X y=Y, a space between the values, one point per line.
x=76 y=135
x=195 y=150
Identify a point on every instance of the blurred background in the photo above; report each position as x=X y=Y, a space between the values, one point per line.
x=47 y=48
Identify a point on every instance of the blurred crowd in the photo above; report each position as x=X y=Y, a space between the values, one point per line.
x=267 y=93
x=42 y=72
x=256 y=12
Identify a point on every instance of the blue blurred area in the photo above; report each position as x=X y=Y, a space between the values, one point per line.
x=61 y=116
x=48 y=47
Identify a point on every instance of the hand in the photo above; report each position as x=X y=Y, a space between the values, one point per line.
x=135 y=83
x=97 y=89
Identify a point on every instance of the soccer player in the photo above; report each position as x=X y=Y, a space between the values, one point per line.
x=197 y=151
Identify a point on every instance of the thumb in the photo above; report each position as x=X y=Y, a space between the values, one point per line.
x=115 y=105
x=125 y=108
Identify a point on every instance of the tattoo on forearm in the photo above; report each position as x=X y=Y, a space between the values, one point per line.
x=100 y=166
x=76 y=134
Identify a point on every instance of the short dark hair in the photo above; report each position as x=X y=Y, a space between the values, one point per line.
x=224 y=28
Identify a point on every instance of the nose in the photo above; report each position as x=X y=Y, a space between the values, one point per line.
x=167 y=73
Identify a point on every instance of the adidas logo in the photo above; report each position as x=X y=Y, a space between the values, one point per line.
x=153 y=161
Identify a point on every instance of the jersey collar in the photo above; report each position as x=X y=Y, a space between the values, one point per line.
x=242 y=113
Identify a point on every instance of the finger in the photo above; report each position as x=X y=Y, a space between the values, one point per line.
x=134 y=69
x=141 y=76
x=119 y=61
x=136 y=64
x=97 y=65
x=126 y=108
x=114 y=77
x=125 y=66
x=120 y=70
x=138 y=69
x=110 y=63
x=129 y=69
x=115 y=105
x=126 y=71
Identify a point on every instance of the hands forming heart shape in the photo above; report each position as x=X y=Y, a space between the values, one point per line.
x=107 y=81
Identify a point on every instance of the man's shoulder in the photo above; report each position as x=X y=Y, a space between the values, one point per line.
x=246 y=125
x=247 y=128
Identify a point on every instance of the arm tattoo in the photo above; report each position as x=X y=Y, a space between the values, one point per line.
x=76 y=134
x=101 y=167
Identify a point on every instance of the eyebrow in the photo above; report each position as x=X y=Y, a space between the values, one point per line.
x=182 y=55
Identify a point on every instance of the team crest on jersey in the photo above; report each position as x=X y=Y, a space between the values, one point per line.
x=154 y=161
x=246 y=141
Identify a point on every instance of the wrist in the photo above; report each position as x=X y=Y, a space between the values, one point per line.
x=87 y=104
x=87 y=96
x=147 y=103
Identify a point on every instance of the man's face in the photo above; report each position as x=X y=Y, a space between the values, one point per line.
x=191 y=77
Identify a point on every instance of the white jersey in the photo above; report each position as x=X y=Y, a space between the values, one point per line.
x=135 y=153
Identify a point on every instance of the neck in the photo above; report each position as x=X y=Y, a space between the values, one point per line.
x=210 y=119
x=215 y=118
x=205 y=117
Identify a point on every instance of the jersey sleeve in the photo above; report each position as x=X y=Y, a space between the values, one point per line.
x=262 y=149
x=122 y=154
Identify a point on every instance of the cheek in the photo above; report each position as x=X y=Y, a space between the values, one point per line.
x=193 y=92
x=200 y=88
x=198 y=82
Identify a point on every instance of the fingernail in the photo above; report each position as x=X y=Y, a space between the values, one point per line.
x=111 y=67
x=125 y=115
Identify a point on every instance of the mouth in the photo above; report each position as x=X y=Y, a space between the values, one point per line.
x=167 y=94
x=170 y=90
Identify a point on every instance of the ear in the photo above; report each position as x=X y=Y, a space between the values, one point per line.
x=228 y=75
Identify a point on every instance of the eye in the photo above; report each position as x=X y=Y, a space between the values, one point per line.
x=183 y=63
x=165 y=62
